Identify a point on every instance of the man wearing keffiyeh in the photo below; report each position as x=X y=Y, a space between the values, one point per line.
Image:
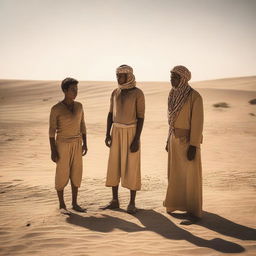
x=185 y=118
x=124 y=126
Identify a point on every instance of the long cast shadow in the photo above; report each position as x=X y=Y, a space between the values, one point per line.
x=104 y=223
x=161 y=225
x=223 y=226
x=154 y=222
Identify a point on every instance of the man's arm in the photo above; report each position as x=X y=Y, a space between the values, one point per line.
x=136 y=141
x=54 y=152
x=83 y=131
x=52 y=131
x=196 y=130
x=84 y=147
x=140 y=112
x=108 y=139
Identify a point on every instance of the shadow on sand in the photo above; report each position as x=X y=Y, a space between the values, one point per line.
x=161 y=225
x=223 y=226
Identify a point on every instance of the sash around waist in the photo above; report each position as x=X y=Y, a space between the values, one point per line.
x=178 y=132
x=118 y=125
x=68 y=139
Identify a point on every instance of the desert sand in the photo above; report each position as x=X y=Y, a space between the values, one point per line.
x=31 y=223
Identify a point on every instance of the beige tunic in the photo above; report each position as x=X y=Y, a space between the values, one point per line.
x=128 y=109
x=184 y=190
x=69 y=127
x=122 y=163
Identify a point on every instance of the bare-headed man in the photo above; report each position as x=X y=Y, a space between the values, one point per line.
x=67 y=120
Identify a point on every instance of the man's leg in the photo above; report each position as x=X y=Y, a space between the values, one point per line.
x=61 y=199
x=62 y=172
x=115 y=193
x=113 y=172
x=131 y=207
x=75 y=205
x=114 y=204
x=132 y=197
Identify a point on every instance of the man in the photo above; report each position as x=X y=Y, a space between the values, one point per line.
x=126 y=117
x=185 y=113
x=67 y=119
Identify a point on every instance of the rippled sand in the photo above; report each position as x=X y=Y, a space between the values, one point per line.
x=31 y=223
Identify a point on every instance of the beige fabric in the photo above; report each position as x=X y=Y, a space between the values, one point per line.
x=128 y=109
x=184 y=190
x=70 y=164
x=122 y=163
x=191 y=117
x=125 y=69
x=67 y=125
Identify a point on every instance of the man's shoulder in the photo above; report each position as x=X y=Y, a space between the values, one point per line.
x=139 y=91
x=78 y=103
x=56 y=106
x=196 y=95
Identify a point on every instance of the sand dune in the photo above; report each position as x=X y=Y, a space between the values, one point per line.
x=31 y=223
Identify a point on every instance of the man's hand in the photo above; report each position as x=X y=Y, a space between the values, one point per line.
x=191 y=153
x=108 y=141
x=166 y=147
x=135 y=145
x=84 y=149
x=55 y=156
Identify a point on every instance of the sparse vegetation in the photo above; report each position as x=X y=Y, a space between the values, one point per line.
x=253 y=101
x=221 y=105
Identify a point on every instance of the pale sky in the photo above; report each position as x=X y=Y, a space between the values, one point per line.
x=87 y=40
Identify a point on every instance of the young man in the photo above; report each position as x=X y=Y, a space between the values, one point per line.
x=126 y=117
x=185 y=112
x=67 y=119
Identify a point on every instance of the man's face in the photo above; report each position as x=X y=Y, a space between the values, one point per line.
x=71 y=93
x=121 y=78
x=175 y=79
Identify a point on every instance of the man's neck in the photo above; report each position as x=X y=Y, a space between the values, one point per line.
x=68 y=101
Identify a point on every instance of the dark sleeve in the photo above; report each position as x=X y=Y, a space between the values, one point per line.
x=112 y=102
x=140 y=105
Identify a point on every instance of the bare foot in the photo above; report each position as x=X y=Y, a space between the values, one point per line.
x=78 y=208
x=63 y=210
x=114 y=204
x=63 y=206
x=131 y=209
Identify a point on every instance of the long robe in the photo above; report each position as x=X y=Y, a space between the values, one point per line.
x=184 y=190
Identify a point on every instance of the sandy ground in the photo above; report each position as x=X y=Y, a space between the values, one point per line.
x=31 y=223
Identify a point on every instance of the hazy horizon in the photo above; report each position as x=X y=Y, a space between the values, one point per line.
x=50 y=40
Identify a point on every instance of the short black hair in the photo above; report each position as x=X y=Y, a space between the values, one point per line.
x=67 y=82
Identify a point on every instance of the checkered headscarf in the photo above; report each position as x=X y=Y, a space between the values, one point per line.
x=178 y=96
x=130 y=77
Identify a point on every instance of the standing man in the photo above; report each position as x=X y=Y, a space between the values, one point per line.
x=185 y=113
x=126 y=117
x=67 y=119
